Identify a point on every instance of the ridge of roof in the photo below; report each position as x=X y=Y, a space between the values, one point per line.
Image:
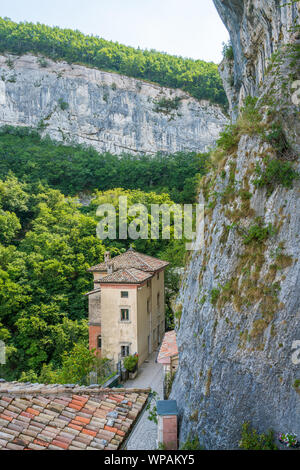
x=126 y=276
x=131 y=274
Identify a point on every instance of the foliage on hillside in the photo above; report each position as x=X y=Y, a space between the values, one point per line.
x=199 y=78
x=46 y=246
x=74 y=169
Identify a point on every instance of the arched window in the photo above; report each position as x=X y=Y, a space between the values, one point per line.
x=99 y=342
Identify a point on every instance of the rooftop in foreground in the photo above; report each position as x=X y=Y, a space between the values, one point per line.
x=56 y=417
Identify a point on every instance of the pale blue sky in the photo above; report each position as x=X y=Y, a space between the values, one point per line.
x=191 y=28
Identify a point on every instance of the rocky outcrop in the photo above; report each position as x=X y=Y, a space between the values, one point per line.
x=109 y=111
x=239 y=304
x=257 y=28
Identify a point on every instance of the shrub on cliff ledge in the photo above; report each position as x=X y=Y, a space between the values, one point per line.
x=191 y=444
x=258 y=232
x=275 y=173
x=249 y=122
x=228 y=51
x=251 y=440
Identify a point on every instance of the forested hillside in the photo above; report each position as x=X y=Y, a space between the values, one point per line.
x=199 y=78
x=74 y=169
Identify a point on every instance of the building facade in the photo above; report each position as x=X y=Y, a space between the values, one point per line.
x=127 y=305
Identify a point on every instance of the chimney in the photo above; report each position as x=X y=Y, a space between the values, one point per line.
x=167 y=424
x=110 y=267
x=106 y=257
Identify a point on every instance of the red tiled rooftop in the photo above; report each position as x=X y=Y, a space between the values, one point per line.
x=133 y=259
x=39 y=417
x=168 y=348
x=130 y=276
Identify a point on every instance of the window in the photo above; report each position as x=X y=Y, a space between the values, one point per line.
x=148 y=305
x=99 y=342
x=124 y=314
x=157 y=275
x=124 y=351
x=158 y=300
x=124 y=294
x=149 y=283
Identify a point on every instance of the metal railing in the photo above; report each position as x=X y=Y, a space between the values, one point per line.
x=102 y=372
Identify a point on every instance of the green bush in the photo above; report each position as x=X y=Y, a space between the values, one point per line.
x=229 y=138
x=249 y=110
x=259 y=232
x=62 y=104
x=166 y=105
x=276 y=172
x=297 y=384
x=252 y=440
x=130 y=362
x=249 y=122
x=276 y=137
x=228 y=50
x=191 y=444
x=169 y=379
x=214 y=296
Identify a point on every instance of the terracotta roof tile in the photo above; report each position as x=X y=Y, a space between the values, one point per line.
x=133 y=259
x=168 y=348
x=124 y=276
x=58 y=417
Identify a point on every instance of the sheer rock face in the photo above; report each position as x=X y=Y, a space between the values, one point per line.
x=238 y=357
x=111 y=112
x=256 y=28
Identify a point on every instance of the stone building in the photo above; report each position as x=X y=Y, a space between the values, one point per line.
x=127 y=305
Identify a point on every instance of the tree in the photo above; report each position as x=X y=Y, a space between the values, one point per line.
x=77 y=364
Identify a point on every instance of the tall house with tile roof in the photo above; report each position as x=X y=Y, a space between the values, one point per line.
x=127 y=305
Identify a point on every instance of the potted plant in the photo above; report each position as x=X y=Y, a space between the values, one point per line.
x=130 y=364
x=288 y=439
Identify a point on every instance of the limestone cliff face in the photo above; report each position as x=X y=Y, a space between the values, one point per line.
x=108 y=111
x=239 y=304
x=256 y=28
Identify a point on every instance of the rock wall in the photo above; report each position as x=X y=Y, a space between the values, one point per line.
x=239 y=304
x=256 y=28
x=108 y=111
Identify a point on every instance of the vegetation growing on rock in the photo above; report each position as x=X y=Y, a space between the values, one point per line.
x=79 y=169
x=252 y=440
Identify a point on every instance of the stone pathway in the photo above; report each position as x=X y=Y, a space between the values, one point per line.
x=144 y=435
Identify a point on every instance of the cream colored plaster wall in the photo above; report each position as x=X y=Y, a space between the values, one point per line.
x=114 y=331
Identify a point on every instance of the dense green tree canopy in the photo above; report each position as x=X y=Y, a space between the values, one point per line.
x=201 y=79
x=74 y=169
